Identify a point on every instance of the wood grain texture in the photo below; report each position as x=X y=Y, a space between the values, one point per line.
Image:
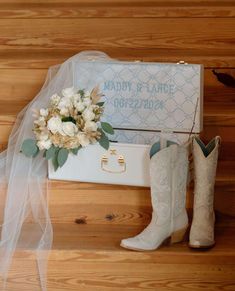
x=35 y=34
x=88 y=257
x=24 y=57
x=207 y=41
x=115 y=206
x=89 y=203
x=98 y=203
x=121 y=9
x=22 y=85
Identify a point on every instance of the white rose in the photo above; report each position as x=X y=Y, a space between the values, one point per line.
x=90 y=126
x=43 y=112
x=83 y=139
x=55 y=99
x=79 y=106
x=44 y=144
x=88 y=114
x=65 y=103
x=54 y=124
x=69 y=128
x=76 y=98
x=68 y=92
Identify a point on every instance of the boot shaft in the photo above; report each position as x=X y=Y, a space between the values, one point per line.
x=168 y=172
x=205 y=164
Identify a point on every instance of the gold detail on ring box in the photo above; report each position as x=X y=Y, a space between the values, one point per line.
x=120 y=161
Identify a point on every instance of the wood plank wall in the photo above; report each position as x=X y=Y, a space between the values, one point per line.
x=35 y=34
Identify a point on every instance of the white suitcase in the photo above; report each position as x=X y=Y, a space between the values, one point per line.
x=125 y=164
x=142 y=100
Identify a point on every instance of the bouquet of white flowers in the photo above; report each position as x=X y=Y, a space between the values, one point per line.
x=70 y=122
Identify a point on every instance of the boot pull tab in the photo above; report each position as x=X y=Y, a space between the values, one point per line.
x=163 y=139
x=190 y=144
x=163 y=142
x=218 y=139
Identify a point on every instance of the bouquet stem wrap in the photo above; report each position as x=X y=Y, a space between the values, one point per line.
x=24 y=217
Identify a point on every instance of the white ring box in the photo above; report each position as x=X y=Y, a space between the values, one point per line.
x=142 y=100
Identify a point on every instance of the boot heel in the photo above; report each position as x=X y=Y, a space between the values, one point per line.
x=178 y=235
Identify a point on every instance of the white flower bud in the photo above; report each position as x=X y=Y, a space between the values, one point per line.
x=44 y=144
x=43 y=112
x=79 y=106
x=90 y=126
x=68 y=92
x=83 y=139
x=65 y=103
x=55 y=99
x=76 y=98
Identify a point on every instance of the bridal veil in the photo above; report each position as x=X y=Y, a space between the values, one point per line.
x=24 y=215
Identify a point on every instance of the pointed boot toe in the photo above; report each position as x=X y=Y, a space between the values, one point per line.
x=201 y=244
x=130 y=243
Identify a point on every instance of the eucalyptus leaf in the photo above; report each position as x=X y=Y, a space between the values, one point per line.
x=81 y=92
x=75 y=151
x=29 y=148
x=100 y=104
x=107 y=127
x=36 y=152
x=154 y=149
x=104 y=141
x=54 y=159
x=50 y=152
x=62 y=156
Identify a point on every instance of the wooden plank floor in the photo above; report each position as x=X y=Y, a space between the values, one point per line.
x=88 y=257
x=121 y=9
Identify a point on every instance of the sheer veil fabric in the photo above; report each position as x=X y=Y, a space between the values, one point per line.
x=24 y=216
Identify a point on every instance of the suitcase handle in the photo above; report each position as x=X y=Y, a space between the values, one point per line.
x=121 y=162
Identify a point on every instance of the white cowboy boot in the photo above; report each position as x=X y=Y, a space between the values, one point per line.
x=168 y=171
x=205 y=163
